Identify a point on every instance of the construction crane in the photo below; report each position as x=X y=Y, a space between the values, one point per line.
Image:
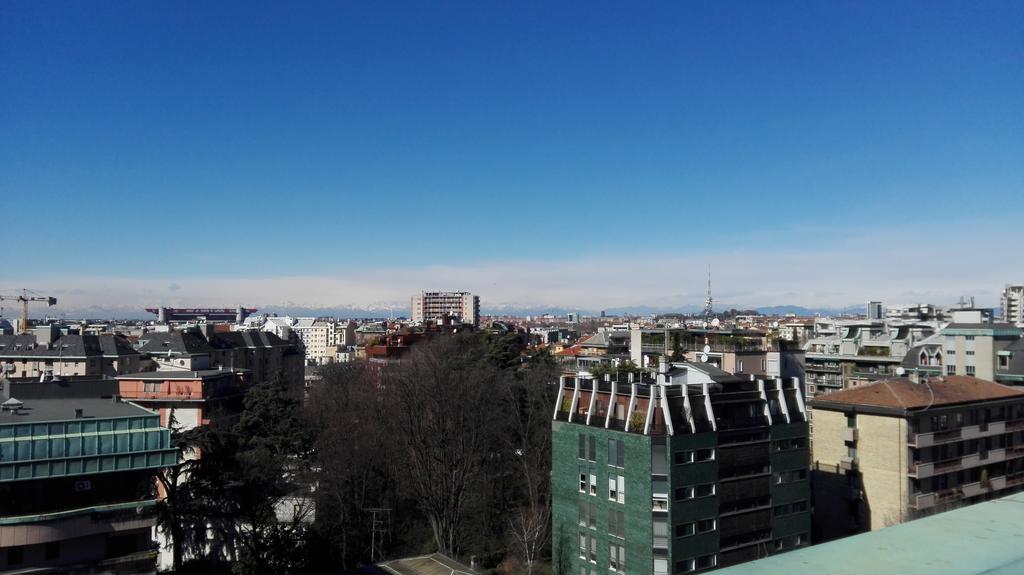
x=24 y=297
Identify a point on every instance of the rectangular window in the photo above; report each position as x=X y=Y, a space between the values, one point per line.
x=950 y=369
x=851 y=420
x=15 y=555
x=686 y=566
x=593 y=549
x=684 y=493
x=617 y=557
x=969 y=353
x=706 y=561
x=582 y=453
x=969 y=369
x=593 y=484
x=593 y=448
x=683 y=457
x=583 y=545
x=1004 y=362
x=685 y=529
x=704 y=490
x=950 y=352
x=616 y=453
x=583 y=513
x=617 y=523
x=705 y=525
x=592 y=523
x=583 y=482
x=705 y=455
x=617 y=488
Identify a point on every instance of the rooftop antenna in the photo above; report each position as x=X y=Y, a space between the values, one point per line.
x=708 y=312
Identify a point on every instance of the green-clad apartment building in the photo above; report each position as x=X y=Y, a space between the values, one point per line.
x=678 y=471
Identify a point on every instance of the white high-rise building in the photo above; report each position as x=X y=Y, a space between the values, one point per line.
x=1013 y=304
x=461 y=306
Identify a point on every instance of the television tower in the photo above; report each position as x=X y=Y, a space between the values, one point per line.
x=708 y=301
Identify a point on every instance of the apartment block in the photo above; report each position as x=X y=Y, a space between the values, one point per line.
x=971 y=346
x=77 y=480
x=678 y=471
x=897 y=449
x=463 y=307
x=1013 y=304
x=45 y=353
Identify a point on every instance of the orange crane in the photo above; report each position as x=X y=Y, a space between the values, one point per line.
x=24 y=297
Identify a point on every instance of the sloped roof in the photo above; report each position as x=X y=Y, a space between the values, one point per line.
x=901 y=393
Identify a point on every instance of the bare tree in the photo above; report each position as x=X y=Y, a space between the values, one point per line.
x=529 y=528
x=445 y=409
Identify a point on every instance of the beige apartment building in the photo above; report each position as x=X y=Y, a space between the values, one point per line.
x=462 y=307
x=895 y=450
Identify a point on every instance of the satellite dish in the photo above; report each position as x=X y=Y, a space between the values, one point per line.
x=707 y=348
x=703 y=358
x=715 y=322
x=900 y=371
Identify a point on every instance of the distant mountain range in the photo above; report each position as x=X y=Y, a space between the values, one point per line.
x=384 y=311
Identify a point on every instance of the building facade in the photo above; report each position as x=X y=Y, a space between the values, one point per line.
x=463 y=307
x=897 y=449
x=1013 y=304
x=46 y=353
x=77 y=479
x=679 y=472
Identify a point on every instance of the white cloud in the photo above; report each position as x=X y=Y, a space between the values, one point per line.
x=907 y=265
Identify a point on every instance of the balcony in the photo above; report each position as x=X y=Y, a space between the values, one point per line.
x=659 y=504
x=60 y=525
x=850 y=434
x=848 y=463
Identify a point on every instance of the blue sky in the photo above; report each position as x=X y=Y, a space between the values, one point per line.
x=181 y=147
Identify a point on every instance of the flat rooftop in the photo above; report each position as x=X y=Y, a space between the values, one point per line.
x=58 y=400
x=983 y=538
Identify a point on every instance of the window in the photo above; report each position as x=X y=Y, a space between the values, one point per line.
x=1004 y=362
x=592 y=516
x=791 y=476
x=705 y=455
x=706 y=561
x=616 y=453
x=686 y=566
x=593 y=448
x=969 y=352
x=617 y=557
x=705 y=525
x=593 y=549
x=790 y=508
x=582 y=453
x=969 y=337
x=970 y=369
x=851 y=452
x=15 y=555
x=583 y=513
x=685 y=529
x=851 y=420
x=593 y=484
x=683 y=457
x=951 y=352
x=617 y=488
x=684 y=493
x=583 y=482
x=950 y=369
x=52 y=550
x=704 y=490
x=617 y=523
x=583 y=545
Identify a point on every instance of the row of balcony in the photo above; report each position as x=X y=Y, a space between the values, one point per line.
x=926 y=500
x=964 y=433
x=922 y=470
